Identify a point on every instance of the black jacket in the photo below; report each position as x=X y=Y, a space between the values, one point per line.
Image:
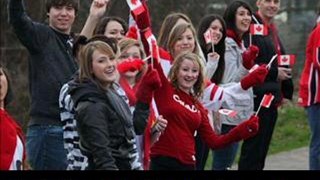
x=267 y=49
x=107 y=128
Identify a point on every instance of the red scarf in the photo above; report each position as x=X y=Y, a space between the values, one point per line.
x=233 y=35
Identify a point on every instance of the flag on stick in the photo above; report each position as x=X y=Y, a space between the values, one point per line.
x=286 y=60
x=266 y=100
x=258 y=29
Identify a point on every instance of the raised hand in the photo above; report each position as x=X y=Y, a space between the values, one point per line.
x=249 y=56
x=255 y=77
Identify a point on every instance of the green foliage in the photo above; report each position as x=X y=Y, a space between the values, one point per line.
x=291 y=131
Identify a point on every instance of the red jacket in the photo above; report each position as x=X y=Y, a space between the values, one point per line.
x=9 y=131
x=309 y=92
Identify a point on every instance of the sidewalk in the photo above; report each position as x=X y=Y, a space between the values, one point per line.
x=296 y=159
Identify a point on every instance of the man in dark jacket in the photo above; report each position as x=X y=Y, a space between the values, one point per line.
x=278 y=82
x=51 y=64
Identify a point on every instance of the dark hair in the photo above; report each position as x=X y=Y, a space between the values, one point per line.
x=73 y=3
x=9 y=95
x=101 y=26
x=81 y=40
x=230 y=13
x=220 y=48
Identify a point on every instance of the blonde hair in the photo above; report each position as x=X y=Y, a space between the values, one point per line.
x=176 y=33
x=85 y=64
x=173 y=73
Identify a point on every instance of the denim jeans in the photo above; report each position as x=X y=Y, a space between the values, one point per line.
x=314 y=123
x=224 y=158
x=45 y=149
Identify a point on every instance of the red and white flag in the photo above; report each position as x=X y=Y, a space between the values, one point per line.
x=286 y=60
x=258 y=29
x=228 y=112
x=136 y=6
x=266 y=100
x=208 y=36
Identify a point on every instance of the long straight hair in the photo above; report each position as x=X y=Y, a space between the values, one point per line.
x=220 y=47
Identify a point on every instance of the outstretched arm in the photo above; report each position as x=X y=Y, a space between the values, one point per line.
x=97 y=10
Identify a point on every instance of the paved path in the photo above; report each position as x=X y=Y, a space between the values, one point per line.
x=296 y=159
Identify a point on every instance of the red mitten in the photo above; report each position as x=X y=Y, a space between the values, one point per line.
x=255 y=77
x=249 y=56
x=132 y=33
x=149 y=83
x=143 y=19
x=246 y=129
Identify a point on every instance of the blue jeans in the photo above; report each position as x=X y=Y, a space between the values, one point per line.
x=45 y=149
x=314 y=123
x=224 y=158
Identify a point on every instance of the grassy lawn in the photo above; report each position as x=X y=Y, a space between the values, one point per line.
x=291 y=131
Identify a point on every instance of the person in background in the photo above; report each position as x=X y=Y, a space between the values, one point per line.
x=12 y=139
x=51 y=64
x=214 y=69
x=132 y=67
x=309 y=93
x=278 y=82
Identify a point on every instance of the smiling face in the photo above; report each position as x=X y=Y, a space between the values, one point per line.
x=243 y=20
x=187 y=75
x=216 y=30
x=61 y=18
x=185 y=42
x=104 y=68
x=114 y=30
x=268 y=9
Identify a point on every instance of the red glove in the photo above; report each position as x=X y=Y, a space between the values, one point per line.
x=255 y=77
x=132 y=33
x=247 y=128
x=143 y=19
x=149 y=83
x=249 y=56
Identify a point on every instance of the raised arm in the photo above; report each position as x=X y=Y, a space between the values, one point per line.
x=97 y=10
x=31 y=34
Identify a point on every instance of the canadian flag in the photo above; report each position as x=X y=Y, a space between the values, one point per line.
x=136 y=6
x=266 y=100
x=286 y=60
x=228 y=112
x=208 y=36
x=258 y=29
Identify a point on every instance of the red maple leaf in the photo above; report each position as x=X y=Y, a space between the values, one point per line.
x=284 y=59
x=134 y=2
x=258 y=28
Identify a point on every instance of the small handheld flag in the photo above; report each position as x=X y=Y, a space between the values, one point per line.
x=258 y=29
x=265 y=102
x=136 y=6
x=228 y=112
x=286 y=60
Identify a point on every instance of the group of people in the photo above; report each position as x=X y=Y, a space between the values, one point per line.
x=110 y=98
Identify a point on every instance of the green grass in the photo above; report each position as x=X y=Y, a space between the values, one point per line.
x=291 y=131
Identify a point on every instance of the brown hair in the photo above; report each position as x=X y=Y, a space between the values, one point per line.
x=102 y=24
x=85 y=65
x=125 y=44
x=173 y=73
x=167 y=25
x=175 y=34
x=73 y=3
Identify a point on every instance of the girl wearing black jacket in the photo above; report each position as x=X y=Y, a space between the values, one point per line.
x=105 y=124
